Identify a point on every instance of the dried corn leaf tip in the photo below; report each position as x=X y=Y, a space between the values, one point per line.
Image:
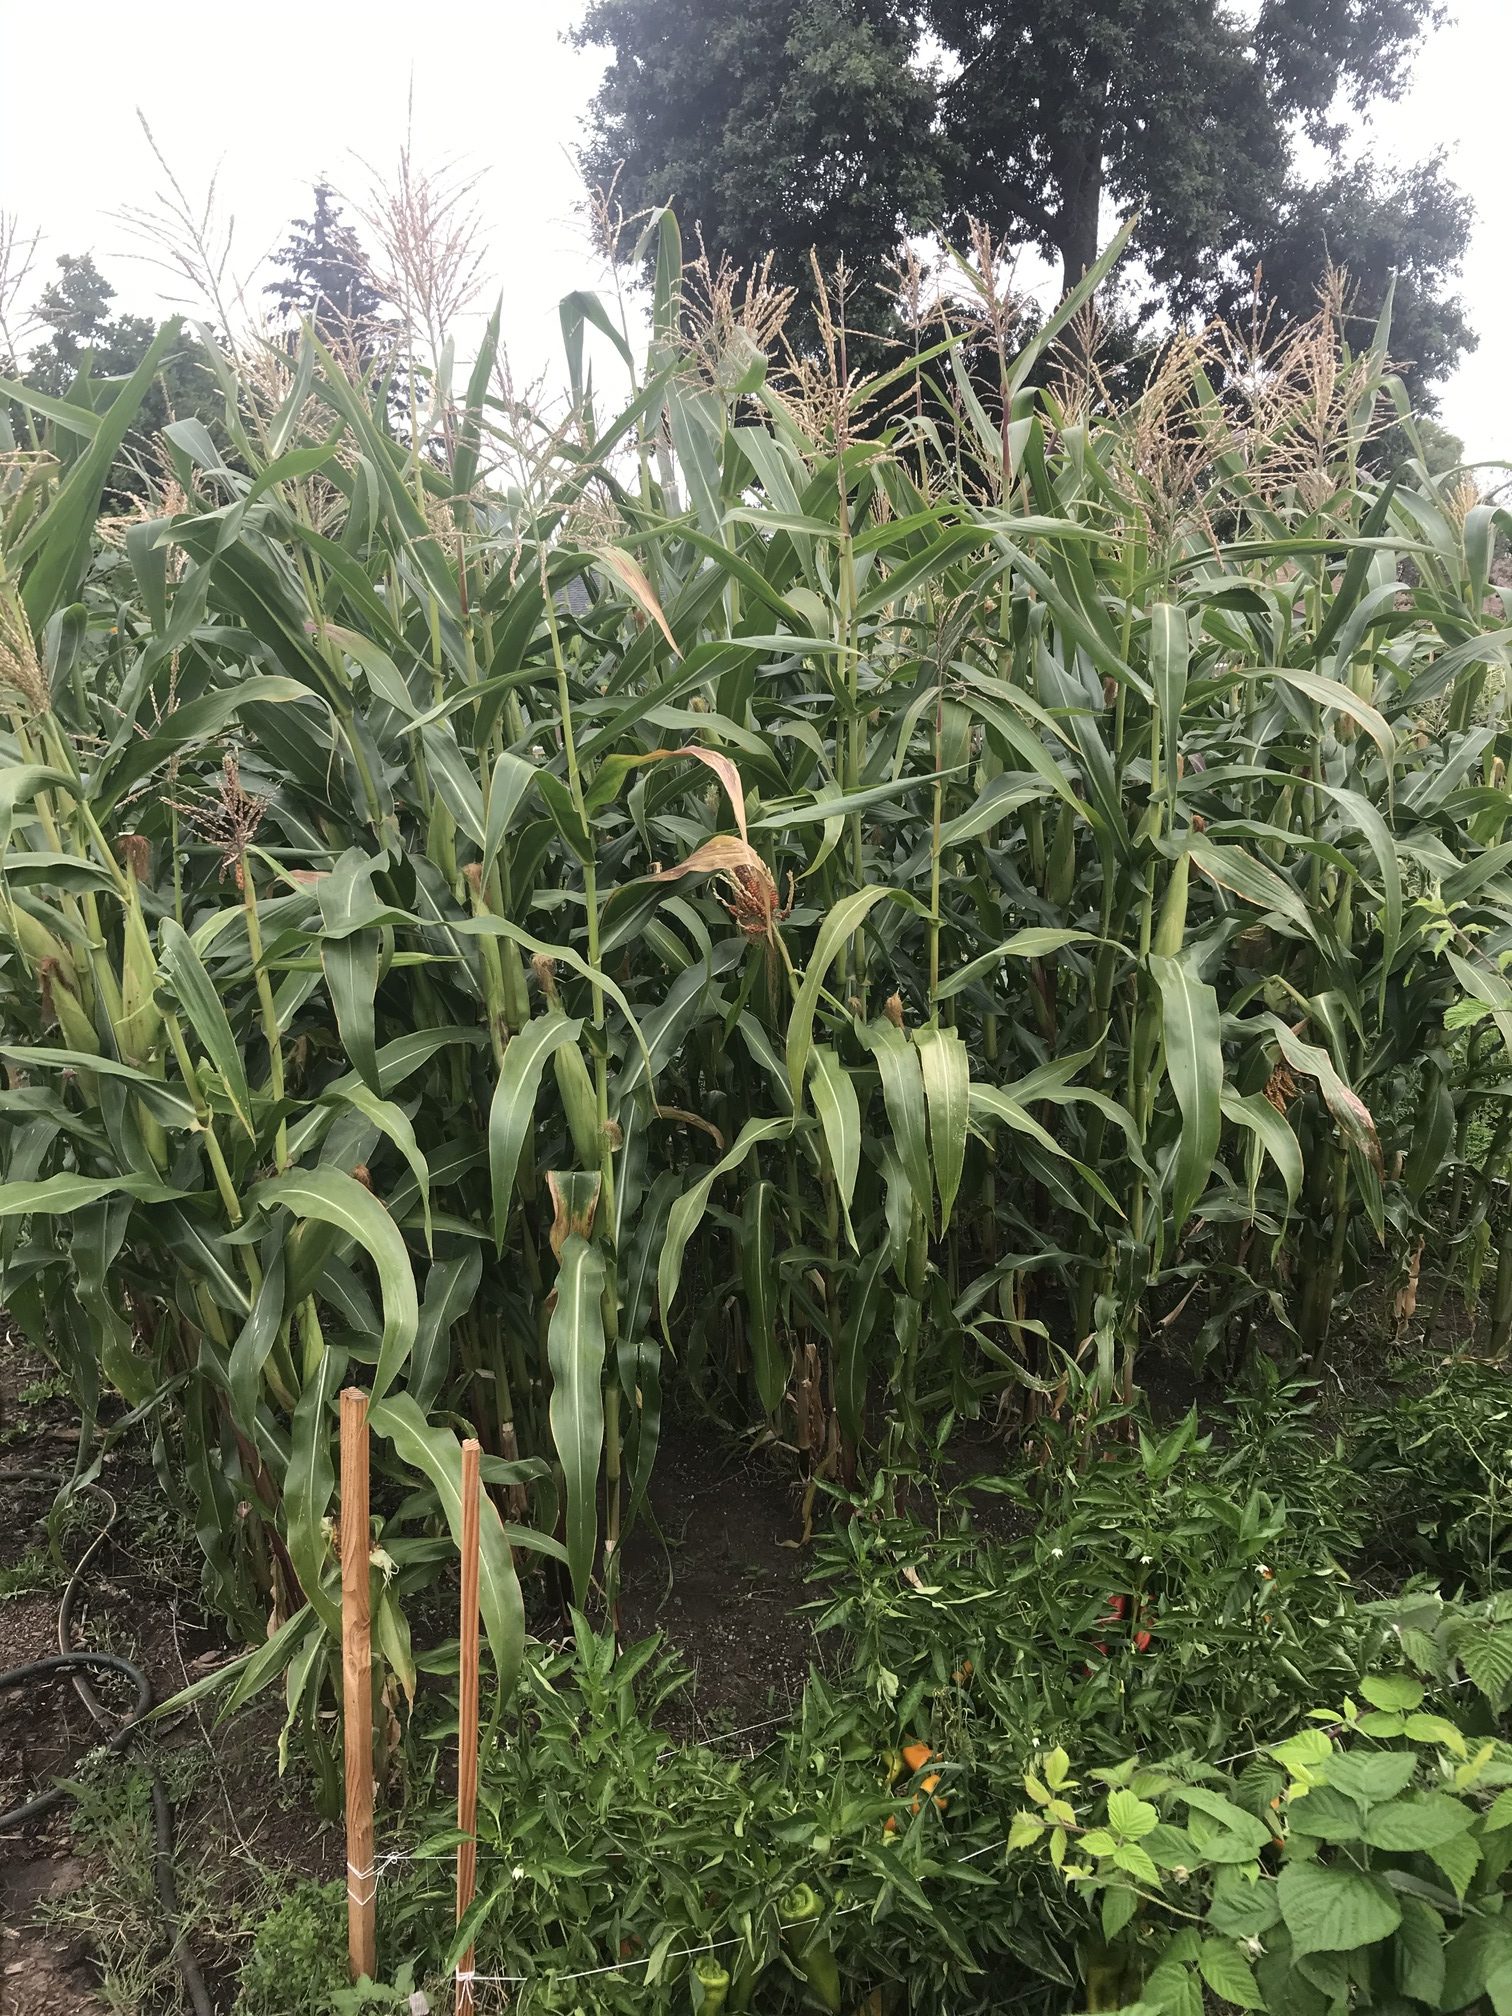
x=1281 y=1088
x=20 y=667
x=136 y=855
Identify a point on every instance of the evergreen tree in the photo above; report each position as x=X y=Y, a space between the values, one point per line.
x=324 y=276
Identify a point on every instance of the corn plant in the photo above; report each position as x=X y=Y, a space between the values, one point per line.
x=857 y=901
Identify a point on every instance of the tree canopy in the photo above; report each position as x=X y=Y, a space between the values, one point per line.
x=772 y=126
x=82 y=333
x=839 y=124
x=85 y=340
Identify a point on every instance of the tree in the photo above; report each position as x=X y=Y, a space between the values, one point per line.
x=83 y=334
x=1373 y=226
x=762 y=120
x=1182 y=109
x=770 y=126
x=325 y=276
x=86 y=341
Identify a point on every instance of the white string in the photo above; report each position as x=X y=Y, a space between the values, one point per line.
x=369 y=1878
x=729 y=1735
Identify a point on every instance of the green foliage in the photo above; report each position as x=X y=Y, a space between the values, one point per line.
x=87 y=347
x=1361 y=1862
x=986 y=896
x=1149 y=1589
x=794 y=123
x=75 y=310
x=296 y=1959
x=324 y=274
x=879 y=1811
x=773 y=107
x=1436 y=1471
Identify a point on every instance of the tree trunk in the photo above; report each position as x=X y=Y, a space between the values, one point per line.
x=1081 y=202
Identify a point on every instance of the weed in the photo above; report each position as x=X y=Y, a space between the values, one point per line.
x=296 y=1956
x=33 y=1571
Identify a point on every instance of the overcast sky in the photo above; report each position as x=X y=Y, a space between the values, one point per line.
x=274 y=97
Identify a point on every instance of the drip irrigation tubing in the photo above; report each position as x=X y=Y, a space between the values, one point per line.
x=78 y=1664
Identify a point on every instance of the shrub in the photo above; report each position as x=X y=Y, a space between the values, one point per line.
x=1359 y=1863
x=1435 y=1466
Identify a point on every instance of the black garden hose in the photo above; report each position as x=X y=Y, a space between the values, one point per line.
x=74 y=1662
x=77 y=1664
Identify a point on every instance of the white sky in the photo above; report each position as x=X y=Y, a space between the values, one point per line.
x=274 y=97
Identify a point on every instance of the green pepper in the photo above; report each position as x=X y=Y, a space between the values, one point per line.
x=711 y=1984
x=801 y=1912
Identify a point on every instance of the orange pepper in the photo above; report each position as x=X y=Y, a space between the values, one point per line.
x=916 y=1755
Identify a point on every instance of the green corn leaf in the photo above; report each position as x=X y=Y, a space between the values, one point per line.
x=52 y=555
x=351 y=971
x=451 y=1287
x=1273 y=1133
x=839 y=1113
x=947 y=1089
x=19 y=785
x=898 y=1067
x=513 y=1107
x=202 y=1005
x=257 y=1337
x=309 y=1482
x=575 y=1352
x=60 y=1196
x=393 y=1121
x=995 y=1102
x=436 y=1452
x=1190 y=1030
x=1034 y=943
x=840 y=924
x=564 y=955
x=1232 y=868
x=866 y=1296
x=758 y=1262
x=687 y=1213
x=331 y=1197
x=1335 y=697
x=1170 y=648
x=512 y=779
x=1347 y=1107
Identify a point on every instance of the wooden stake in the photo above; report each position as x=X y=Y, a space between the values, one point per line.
x=467 y=1721
x=357 y=1684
